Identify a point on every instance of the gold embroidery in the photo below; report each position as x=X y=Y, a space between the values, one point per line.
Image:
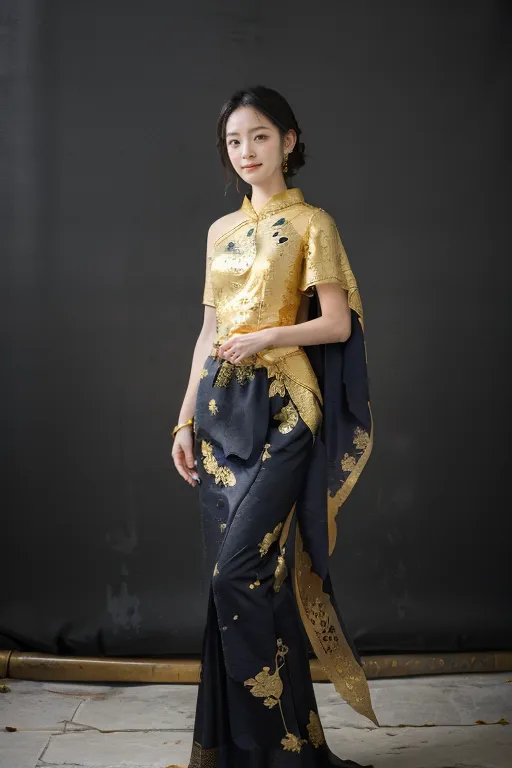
x=295 y=371
x=223 y=526
x=212 y=407
x=266 y=454
x=277 y=386
x=334 y=502
x=326 y=635
x=348 y=463
x=361 y=439
x=281 y=571
x=223 y=475
x=269 y=687
x=203 y=374
x=235 y=617
x=288 y=417
x=269 y=539
x=298 y=376
x=202 y=758
x=243 y=372
x=216 y=569
x=254 y=584
x=292 y=743
x=224 y=375
x=315 y=730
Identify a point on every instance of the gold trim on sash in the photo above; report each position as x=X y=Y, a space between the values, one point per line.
x=326 y=636
x=334 y=502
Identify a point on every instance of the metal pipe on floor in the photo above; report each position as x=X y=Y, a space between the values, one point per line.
x=25 y=665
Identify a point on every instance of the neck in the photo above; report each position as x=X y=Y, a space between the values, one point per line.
x=262 y=193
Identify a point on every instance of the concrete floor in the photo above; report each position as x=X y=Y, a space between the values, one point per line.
x=426 y=722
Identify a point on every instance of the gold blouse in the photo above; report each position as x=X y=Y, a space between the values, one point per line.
x=256 y=273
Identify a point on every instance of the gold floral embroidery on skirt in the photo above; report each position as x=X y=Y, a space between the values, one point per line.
x=243 y=372
x=292 y=743
x=281 y=571
x=288 y=416
x=269 y=687
x=269 y=539
x=315 y=730
x=223 y=475
x=277 y=386
x=266 y=454
x=203 y=374
x=212 y=407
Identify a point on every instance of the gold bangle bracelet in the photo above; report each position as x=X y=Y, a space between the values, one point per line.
x=180 y=426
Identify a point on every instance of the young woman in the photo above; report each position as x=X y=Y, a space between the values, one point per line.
x=275 y=428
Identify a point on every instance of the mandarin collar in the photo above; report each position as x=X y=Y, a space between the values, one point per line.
x=276 y=203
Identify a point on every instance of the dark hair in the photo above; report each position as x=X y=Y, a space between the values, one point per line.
x=278 y=111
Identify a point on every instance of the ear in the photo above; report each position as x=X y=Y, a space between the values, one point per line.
x=290 y=140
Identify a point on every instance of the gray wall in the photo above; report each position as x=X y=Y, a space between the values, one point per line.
x=112 y=180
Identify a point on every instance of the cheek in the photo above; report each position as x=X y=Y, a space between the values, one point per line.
x=271 y=151
x=232 y=154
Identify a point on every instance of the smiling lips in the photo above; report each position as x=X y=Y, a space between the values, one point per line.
x=250 y=167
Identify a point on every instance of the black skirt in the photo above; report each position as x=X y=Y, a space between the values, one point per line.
x=263 y=499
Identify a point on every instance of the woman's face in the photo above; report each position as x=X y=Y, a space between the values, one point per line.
x=254 y=145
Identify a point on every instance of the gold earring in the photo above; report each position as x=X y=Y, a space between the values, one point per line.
x=284 y=164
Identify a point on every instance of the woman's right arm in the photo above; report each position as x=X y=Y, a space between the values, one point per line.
x=183 y=448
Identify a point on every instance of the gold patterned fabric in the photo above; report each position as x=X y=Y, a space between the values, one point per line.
x=257 y=270
x=255 y=275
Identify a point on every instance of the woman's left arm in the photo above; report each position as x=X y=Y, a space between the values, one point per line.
x=333 y=325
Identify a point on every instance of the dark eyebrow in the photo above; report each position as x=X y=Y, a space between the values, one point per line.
x=257 y=128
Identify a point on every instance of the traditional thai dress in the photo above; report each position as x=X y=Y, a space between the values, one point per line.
x=280 y=440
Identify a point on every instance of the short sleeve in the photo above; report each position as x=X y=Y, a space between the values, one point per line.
x=325 y=259
x=208 y=289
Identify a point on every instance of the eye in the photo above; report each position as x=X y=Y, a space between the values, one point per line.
x=231 y=141
x=261 y=136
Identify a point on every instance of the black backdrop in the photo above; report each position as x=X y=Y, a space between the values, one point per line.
x=112 y=180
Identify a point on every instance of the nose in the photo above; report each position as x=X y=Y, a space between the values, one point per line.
x=246 y=153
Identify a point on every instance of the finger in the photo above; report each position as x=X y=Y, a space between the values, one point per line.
x=189 y=458
x=183 y=473
x=183 y=469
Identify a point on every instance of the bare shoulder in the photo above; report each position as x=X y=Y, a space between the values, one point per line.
x=226 y=224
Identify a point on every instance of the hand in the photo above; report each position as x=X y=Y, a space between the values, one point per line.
x=242 y=345
x=183 y=455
